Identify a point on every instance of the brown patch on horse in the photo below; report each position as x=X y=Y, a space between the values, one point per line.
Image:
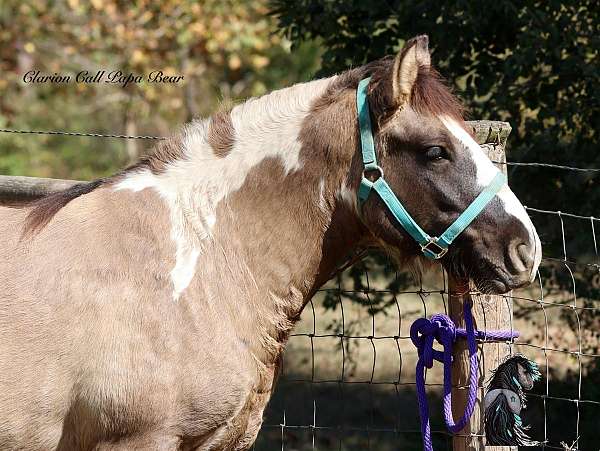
x=321 y=131
x=221 y=133
x=44 y=209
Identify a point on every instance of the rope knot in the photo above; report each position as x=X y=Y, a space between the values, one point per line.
x=441 y=328
x=424 y=331
x=446 y=329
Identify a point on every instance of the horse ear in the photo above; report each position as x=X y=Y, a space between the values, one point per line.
x=414 y=55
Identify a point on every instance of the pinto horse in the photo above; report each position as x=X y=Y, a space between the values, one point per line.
x=150 y=309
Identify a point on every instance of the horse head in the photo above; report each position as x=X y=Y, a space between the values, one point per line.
x=433 y=166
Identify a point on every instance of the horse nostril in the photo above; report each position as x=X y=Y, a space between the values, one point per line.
x=521 y=257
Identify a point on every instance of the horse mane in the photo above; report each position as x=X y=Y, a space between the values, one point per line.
x=42 y=210
x=430 y=96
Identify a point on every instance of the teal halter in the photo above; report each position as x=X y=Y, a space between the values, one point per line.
x=431 y=246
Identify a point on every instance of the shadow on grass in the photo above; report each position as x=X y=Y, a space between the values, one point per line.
x=384 y=417
x=347 y=416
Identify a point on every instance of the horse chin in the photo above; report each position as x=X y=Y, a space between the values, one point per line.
x=491 y=285
x=488 y=281
x=497 y=281
x=488 y=278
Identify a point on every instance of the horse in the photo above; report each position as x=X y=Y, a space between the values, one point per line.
x=150 y=309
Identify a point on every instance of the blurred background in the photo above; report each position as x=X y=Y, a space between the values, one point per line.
x=534 y=64
x=226 y=50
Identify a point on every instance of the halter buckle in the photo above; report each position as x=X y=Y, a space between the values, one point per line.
x=372 y=168
x=433 y=250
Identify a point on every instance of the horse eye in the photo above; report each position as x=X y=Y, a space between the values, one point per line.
x=436 y=153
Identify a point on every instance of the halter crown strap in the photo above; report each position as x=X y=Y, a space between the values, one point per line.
x=432 y=247
x=364 y=121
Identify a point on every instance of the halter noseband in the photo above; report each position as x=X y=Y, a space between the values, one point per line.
x=431 y=246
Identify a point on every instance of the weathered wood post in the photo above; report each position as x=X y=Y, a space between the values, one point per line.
x=489 y=312
x=15 y=190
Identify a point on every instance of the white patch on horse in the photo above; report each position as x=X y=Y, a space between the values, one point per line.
x=185 y=268
x=322 y=200
x=347 y=196
x=137 y=181
x=186 y=245
x=211 y=220
x=486 y=171
x=265 y=127
x=484 y=167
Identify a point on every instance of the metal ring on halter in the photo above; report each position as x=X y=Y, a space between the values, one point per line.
x=435 y=253
x=373 y=168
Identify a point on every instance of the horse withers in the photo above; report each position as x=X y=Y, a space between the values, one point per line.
x=150 y=309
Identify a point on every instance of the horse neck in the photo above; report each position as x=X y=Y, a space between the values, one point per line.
x=259 y=227
x=276 y=241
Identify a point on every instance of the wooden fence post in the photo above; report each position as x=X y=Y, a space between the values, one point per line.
x=16 y=190
x=489 y=312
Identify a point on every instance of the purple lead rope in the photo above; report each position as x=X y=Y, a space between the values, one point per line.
x=441 y=328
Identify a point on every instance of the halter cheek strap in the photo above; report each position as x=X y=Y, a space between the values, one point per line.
x=431 y=246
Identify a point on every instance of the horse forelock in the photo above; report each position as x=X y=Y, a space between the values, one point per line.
x=431 y=94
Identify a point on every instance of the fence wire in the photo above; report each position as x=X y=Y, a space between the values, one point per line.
x=347 y=380
x=322 y=409
x=333 y=392
x=159 y=138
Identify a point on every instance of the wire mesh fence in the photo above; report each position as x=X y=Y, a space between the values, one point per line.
x=348 y=378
